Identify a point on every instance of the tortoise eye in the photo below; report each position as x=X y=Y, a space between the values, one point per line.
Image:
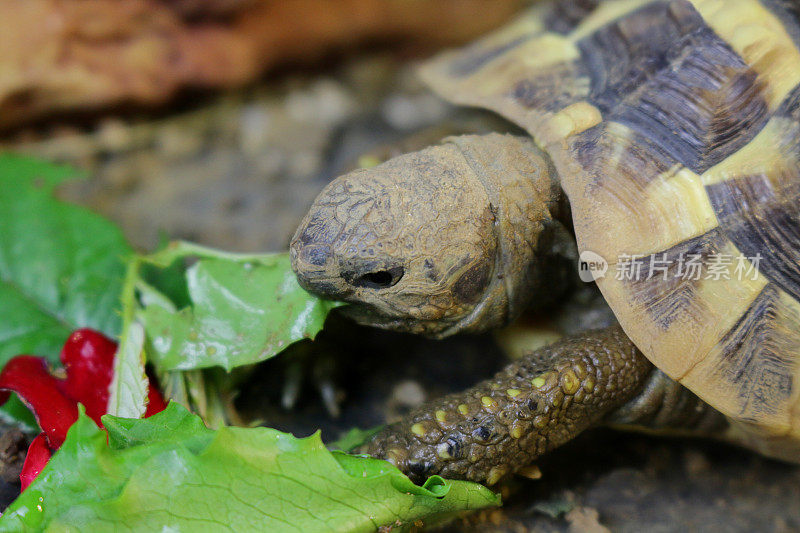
x=381 y=279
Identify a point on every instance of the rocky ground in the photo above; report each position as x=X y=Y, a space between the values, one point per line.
x=238 y=172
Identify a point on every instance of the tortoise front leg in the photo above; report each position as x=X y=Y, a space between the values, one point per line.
x=536 y=404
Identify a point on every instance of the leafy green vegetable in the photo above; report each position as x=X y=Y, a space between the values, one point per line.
x=129 y=385
x=18 y=414
x=354 y=438
x=245 y=309
x=61 y=266
x=169 y=472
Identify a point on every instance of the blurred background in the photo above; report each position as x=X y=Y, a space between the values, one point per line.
x=218 y=121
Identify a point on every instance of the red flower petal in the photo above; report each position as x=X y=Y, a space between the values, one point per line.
x=88 y=358
x=155 y=402
x=35 y=461
x=30 y=378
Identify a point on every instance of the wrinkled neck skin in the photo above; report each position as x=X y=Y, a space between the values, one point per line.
x=528 y=207
x=459 y=237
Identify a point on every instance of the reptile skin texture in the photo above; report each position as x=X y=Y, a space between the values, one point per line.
x=532 y=406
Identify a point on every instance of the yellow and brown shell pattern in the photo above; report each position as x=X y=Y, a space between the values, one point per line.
x=675 y=128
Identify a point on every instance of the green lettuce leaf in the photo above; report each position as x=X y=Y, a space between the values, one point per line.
x=244 y=309
x=61 y=266
x=129 y=385
x=354 y=438
x=170 y=473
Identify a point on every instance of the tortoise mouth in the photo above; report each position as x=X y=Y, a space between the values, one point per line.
x=367 y=314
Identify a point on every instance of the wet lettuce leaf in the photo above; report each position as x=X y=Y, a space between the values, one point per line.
x=184 y=308
x=354 y=438
x=244 y=309
x=170 y=473
x=61 y=266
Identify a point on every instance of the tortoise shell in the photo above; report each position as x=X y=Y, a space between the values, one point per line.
x=675 y=128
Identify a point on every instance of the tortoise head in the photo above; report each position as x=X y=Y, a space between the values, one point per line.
x=419 y=243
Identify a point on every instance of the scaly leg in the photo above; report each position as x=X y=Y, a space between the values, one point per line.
x=538 y=403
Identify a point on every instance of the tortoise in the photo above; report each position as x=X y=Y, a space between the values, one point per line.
x=662 y=134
